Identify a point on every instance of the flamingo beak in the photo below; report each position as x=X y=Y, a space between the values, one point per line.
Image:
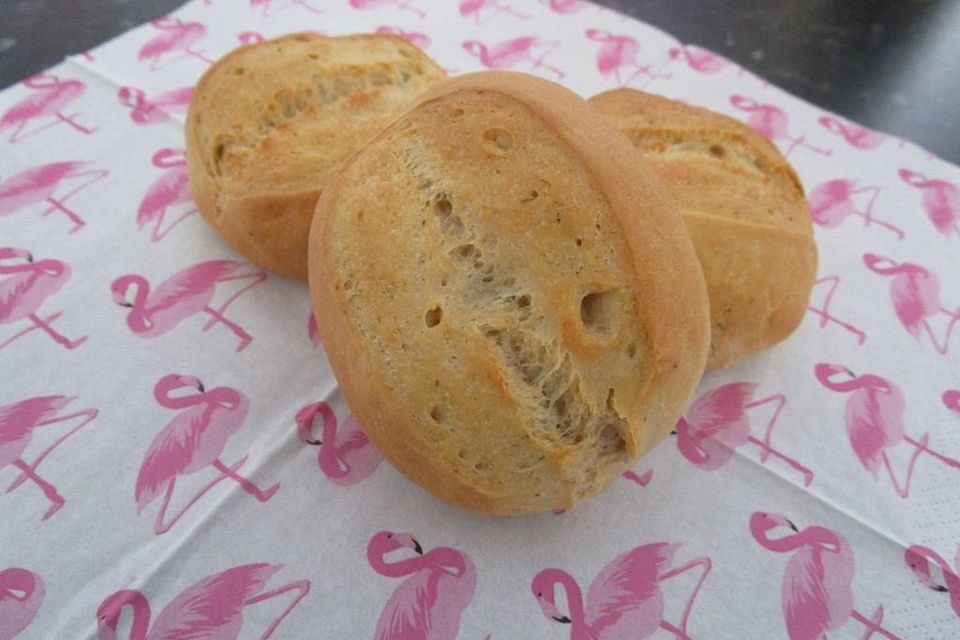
x=200 y=387
x=29 y=257
x=793 y=526
x=563 y=619
x=417 y=547
x=851 y=373
x=940 y=588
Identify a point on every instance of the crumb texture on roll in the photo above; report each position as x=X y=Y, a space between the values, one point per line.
x=269 y=123
x=509 y=337
x=745 y=210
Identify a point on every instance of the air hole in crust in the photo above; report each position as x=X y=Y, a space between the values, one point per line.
x=438 y=413
x=498 y=139
x=433 y=317
x=598 y=311
x=631 y=350
x=718 y=151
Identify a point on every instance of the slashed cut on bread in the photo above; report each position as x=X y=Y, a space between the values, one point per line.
x=744 y=208
x=271 y=122
x=511 y=306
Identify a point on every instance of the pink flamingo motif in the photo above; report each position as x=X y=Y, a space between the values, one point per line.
x=40 y=183
x=429 y=603
x=17 y=422
x=824 y=311
x=211 y=608
x=832 y=201
x=918 y=558
x=25 y=291
x=154 y=110
x=403 y=5
x=565 y=6
x=855 y=135
x=177 y=36
x=313 y=331
x=717 y=423
x=941 y=200
x=915 y=294
x=618 y=53
x=492 y=8
x=193 y=440
x=771 y=122
x=272 y=7
x=418 y=39
x=700 y=60
x=50 y=97
x=21 y=594
x=346 y=456
x=816 y=590
x=511 y=53
x=951 y=400
x=169 y=190
x=642 y=479
x=182 y=295
x=624 y=600
x=250 y=37
x=874 y=417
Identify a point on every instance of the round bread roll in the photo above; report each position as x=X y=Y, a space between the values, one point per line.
x=744 y=208
x=269 y=123
x=511 y=306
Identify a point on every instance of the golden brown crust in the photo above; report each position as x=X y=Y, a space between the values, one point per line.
x=269 y=123
x=511 y=306
x=744 y=207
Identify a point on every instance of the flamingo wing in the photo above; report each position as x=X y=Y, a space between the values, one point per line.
x=509 y=53
x=803 y=595
x=36 y=178
x=17 y=419
x=915 y=294
x=169 y=455
x=192 y=281
x=169 y=189
x=718 y=409
x=211 y=608
x=625 y=597
x=874 y=421
x=408 y=613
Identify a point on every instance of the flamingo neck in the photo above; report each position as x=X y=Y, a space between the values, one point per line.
x=876 y=265
x=811 y=536
x=164 y=399
x=446 y=559
x=571 y=589
x=224 y=396
x=689 y=443
x=15 y=581
x=169 y=161
x=949 y=575
x=330 y=457
x=853 y=384
x=141 y=616
x=143 y=290
x=396 y=569
x=17 y=268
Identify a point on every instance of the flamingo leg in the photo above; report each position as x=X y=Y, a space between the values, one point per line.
x=199 y=55
x=672 y=629
x=89 y=414
x=867 y=213
x=237 y=330
x=57 y=337
x=58 y=204
x=309 y=7
x=257 y=278
x=32 y=327
x=781 y=401
x=161 y=527
x=547 y=50
x=642 y=479
x=873 y=624
x=942 y=350
x=302 y=586
x=516 y=14
x=159 y=235
x=802 y=142
x=247 y=486
x=403 y=4
x=16 y=137
x=55 y=498
x=69 y=120
x=922 y=446
x=824 y=312
x=904 y=491
x=703 y=562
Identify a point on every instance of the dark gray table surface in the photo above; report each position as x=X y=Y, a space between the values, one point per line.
x=893 y=65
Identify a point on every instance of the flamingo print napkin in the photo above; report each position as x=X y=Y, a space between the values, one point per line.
x=178 y=462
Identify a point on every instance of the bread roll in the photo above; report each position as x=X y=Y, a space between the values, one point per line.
x=269 y=123
x=511 y=306
x=744 y=208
